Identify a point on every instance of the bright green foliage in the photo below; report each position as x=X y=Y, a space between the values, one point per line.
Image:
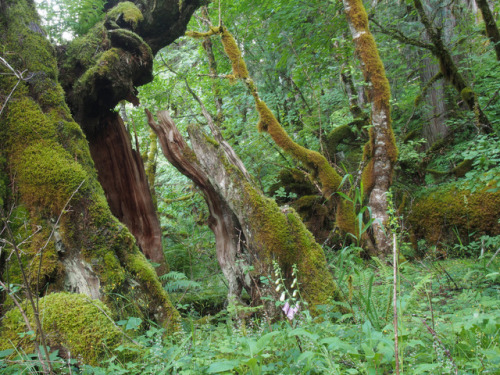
x=465 y=319
x=69 y=18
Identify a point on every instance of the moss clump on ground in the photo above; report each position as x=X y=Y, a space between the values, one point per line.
x=439 y=216
x=72 y=322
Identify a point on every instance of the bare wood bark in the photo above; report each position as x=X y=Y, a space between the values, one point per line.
x=121 y=174
x=222 y=222
x=381 y=149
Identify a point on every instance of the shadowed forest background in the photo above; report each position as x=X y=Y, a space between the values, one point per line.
x=249 y=187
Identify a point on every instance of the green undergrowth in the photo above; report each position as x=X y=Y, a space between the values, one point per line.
x=449 y=323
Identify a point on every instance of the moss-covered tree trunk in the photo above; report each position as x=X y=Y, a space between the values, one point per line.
x=490 y=25
x=250 y=229
x=52 y=192
x=450 y=71
x=380 y=151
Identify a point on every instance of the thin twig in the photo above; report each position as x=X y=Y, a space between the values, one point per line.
x=493 y=257
x=18 y=75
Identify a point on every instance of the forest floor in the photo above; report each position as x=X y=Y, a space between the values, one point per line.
x=449 y=323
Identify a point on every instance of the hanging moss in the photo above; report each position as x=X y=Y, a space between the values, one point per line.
x=72 y=323
x=233 y=52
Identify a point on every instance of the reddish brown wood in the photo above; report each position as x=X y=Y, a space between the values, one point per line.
x=122 y=176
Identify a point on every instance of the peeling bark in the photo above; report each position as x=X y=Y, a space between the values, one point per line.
x=250 y=230
x=103 y=68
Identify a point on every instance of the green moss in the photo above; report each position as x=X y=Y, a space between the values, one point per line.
x=71 y=322
x=233 y=52
x=34 y=53
x=467 y=94
x=438 y=216
x=462 y=168
x=47 y=176
x=280 y=234
x=28 y=124
x=317 y=163
x=82 y=52
x=48 y=157
x=108 y=60
x=131 y=14
x=145 y=274
x=346 y=217
x=211 y=140
x=336 y=136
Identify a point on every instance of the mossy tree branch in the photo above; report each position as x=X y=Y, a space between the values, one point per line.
x=490 y=25
x=314 y=161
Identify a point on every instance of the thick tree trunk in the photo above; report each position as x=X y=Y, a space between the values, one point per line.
x=380 y=151
x=435 y=129
x=250 y=228
x=48 y=160
x=101 y=69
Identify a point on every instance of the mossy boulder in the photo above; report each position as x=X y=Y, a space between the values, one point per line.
x=449 y=211
x=72 y=323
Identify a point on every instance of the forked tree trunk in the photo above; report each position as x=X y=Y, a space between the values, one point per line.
x=380 y=151
x=250 y=229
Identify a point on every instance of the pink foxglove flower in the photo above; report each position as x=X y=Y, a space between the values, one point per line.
x=290 y=311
